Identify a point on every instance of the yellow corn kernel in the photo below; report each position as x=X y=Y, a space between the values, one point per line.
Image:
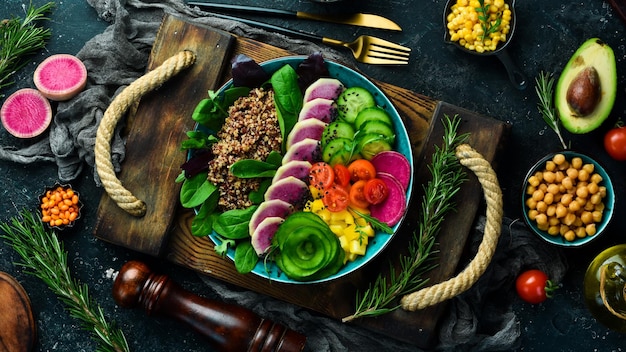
x=351 y=232
x=345 y=244
x=337 y=229
x=315 y=193
x=350 y=257
x=357 y=247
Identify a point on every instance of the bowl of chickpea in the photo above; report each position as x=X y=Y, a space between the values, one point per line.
x=483 y=28
x=568 y=198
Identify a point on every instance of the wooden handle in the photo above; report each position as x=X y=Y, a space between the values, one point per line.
x=228 y=327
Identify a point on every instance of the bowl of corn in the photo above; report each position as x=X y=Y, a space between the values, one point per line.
x=483 y=28
x=567 y=199
x=60 y=206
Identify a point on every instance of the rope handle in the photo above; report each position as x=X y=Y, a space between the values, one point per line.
x=445 y=290
x=116 y=110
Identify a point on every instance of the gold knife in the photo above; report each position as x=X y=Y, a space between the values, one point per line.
x=357 y=19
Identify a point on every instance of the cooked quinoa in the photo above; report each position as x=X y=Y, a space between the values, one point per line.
x=251 y=131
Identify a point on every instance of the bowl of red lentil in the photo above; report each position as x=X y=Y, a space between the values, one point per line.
x=483 y=28
x=60 y=206
x=567 y=198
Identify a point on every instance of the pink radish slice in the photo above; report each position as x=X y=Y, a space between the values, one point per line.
x=391 y=210
x=394 y=163
x=26 y=113
x=60 y=77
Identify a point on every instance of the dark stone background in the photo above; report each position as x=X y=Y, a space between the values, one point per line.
x=547 y=34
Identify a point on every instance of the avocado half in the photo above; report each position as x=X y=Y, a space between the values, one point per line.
x=587 y=87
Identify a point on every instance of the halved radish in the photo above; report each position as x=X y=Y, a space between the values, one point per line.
x=394 y=163
x=391 y=210
x=60 y=77
x=26 y=113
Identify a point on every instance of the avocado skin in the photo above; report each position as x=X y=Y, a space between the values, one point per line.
x=593 y=52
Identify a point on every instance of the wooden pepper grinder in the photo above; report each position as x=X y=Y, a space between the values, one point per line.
x=228 y=327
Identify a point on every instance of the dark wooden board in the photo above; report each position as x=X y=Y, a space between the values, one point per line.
x=18 y=331
x=155 y=131
x=422 y=118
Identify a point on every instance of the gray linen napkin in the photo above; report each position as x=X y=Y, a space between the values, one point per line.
x=479 y=320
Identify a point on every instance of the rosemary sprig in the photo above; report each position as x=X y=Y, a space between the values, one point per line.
x=447 y=177
x=544 y=88
x=487 y=25
x=44 y=257
x=19 y=38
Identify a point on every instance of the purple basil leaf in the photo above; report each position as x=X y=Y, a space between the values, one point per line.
x=198 y=163
x=247 y=73
x=311 y=69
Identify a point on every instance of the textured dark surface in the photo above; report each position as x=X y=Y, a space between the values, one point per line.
x=546 y=36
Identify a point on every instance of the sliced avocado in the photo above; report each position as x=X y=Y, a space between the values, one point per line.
x=586 y=89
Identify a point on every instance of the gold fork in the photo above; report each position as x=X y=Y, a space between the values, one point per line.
x=365 y=48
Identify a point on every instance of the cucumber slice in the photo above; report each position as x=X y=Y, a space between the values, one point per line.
x=370 y=144
x=372 y=114
x=352 y=101
x=337 y=129
x=344 y=146
x=377 y=127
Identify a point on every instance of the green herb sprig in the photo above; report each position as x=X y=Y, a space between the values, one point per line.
x=487 y=25
x=447 y=177
x=19 y=38
x=545 y=91
x=44 y=257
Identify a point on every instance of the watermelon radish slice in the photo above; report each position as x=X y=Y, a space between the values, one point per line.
x=290 y=189
x=327 y=88
x=391 y=210
x=60 y=77
x=307 y=149
x=309 y=128
x=26 y=113
x=275 y=207
x=322 y=109
x=262 y=236
x=296 y=168
x=394 y=163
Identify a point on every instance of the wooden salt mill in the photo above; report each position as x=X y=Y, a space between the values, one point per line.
x=228 y=327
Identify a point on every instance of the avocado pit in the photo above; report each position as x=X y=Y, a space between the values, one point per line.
x=584 y=92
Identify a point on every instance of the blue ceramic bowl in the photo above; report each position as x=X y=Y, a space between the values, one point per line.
x=349 y=78
x=609 y=201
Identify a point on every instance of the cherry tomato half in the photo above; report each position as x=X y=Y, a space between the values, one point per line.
x=321 y=175
x=375 y=191
x=615 y=143
x=342 y=175
x=336 y=198
x=533 y=286
x=361 y=169
x=357 y=195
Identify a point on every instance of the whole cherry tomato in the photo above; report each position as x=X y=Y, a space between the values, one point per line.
x=376 y=191
x=534 y=287
x=615 y=143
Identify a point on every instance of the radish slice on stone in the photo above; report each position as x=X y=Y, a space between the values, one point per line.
x=60 y=77
x=26 y=113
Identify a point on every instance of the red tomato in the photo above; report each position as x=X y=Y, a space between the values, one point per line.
x=361 y=169
x=375 y=191
x=615 y=143
x=357 y=195
x=336 y=198
x=342 y=175
x=533 y=286
x=321 y=175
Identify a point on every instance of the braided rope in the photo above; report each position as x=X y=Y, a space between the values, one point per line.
x=440 y=292
x=122 y=102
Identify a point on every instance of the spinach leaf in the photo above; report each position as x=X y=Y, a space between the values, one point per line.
x=202 y=223
x=256 y=197
x=196 y=190
x=197 y=140
x=288 y=98
x=233 y=224
x=245 y=257
x=251 y=168
x=212 y=111
x=275 y=158
x=222 y=248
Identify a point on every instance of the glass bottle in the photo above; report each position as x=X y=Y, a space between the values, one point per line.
x=605 y=287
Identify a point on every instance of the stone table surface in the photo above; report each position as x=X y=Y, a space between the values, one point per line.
x=547 y=34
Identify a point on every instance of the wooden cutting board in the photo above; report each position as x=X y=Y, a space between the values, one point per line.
x=18 y=330
x=422 y=118
x=155 y=130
